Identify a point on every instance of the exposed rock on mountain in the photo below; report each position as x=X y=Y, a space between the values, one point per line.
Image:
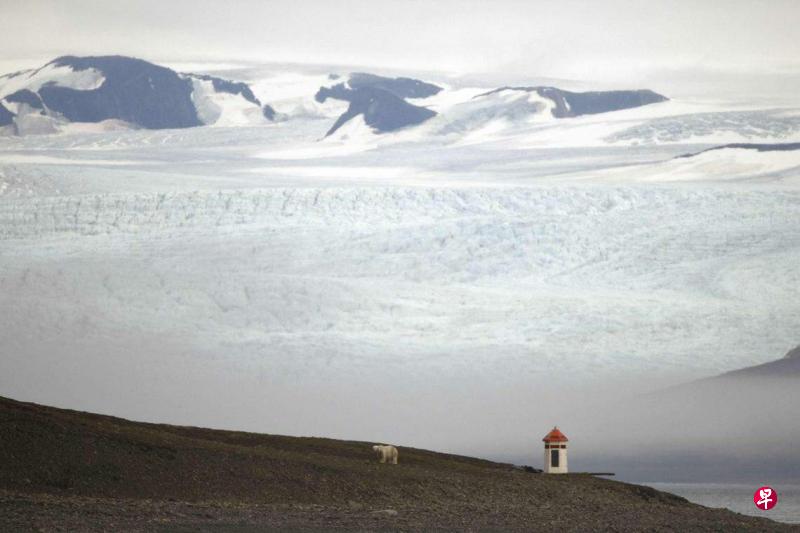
x=786 y=367
x=132 y=90
x=758 y=147
x=571 y=104
x=129 y=90
x=24 y=96
x=6 y=116
x=382 y=110
x=402 y=87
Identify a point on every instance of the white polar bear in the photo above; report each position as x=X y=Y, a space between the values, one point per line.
x=386 y=453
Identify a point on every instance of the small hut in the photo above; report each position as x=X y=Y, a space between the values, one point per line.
x=555 y=452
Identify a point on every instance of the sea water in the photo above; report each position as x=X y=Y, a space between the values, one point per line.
x=739 y=498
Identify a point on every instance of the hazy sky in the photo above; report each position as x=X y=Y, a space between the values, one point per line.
x=591 y=40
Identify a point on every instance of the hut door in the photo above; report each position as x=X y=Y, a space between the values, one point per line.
x=554 y=458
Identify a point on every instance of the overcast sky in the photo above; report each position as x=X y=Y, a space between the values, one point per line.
x=588 y=40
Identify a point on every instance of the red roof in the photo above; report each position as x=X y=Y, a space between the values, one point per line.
x=555 y=436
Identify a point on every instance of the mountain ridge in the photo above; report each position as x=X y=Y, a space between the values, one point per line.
x=573 y=104
x=94 y=89
x=132 y=92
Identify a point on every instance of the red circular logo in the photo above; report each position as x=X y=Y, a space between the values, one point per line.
x=765 y=498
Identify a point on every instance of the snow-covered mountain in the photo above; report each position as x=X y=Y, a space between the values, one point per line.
x=384 y=104
x=117 y=91
x=364 y=110
x=574 y=104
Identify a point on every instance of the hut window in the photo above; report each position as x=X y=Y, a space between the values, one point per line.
x=554 y=458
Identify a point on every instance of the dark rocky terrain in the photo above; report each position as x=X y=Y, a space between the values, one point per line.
x=736 y=427
x=6 y=116
x=784 y=369
x=64 y=470
x=759 y=147
x=381 y=101
x=135 y=91
x=572 y=104
x=787 y=367
x=402 y=87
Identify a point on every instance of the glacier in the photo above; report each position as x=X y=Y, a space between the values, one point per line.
x=264 y=277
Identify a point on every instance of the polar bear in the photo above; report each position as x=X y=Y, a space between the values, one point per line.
x=385 y=453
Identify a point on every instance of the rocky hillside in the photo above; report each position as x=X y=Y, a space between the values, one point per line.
x=573 y=104
x=81 y=472
x=788 y=367
x=384 y=104
x=380 y=101
x=121 y=91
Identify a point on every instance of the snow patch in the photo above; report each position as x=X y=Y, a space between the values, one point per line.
x=723 y=165
x=488 y=116
x=221 y=108
x=61 y=76
x=445 y=99
x=292 y=93
x=354 y=132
